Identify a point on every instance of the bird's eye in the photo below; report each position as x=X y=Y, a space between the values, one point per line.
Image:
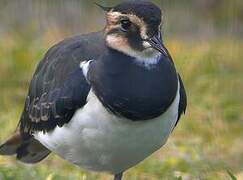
x=125 y=24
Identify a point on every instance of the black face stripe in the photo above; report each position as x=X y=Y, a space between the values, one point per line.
x=123 y=18
x=134 y=38
x=114 y=31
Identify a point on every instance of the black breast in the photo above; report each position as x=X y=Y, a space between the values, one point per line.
x=131 y=90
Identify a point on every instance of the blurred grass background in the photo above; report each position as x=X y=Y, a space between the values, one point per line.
x=205 y=38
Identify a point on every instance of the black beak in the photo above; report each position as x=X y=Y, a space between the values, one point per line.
x=157 y=43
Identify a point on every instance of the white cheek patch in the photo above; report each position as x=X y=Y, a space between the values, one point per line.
x=119 y=43
x=147 y=57
x=112 y=39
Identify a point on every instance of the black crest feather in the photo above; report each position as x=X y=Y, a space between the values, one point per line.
x=107 y=9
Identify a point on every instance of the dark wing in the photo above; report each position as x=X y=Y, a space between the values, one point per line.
x=58 y=87
x=183 y=100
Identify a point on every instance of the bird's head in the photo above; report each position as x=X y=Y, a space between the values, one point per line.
x=134 y=28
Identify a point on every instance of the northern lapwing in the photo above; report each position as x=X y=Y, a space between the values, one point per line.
x=106 y=100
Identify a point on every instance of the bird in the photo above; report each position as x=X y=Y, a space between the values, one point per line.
x=105 y=100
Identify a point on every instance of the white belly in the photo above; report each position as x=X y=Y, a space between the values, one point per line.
x=97 y=140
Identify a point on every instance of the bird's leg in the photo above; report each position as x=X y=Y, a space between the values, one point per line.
x=118 y=176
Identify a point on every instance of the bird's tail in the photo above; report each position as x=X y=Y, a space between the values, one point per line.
x=25 y=147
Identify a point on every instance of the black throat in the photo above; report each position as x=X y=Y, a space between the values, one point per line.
x=131 y=90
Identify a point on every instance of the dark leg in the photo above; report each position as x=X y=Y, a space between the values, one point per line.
x=118 y=176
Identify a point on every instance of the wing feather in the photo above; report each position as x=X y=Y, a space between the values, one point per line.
x=183 y=100
x=58 y=87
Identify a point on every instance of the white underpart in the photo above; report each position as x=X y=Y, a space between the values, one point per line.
x=97 y=140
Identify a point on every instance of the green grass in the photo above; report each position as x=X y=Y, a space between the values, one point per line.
x=207 y=144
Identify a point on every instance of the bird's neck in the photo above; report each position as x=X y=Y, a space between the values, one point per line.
x=147 y=58
x=131 y=90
